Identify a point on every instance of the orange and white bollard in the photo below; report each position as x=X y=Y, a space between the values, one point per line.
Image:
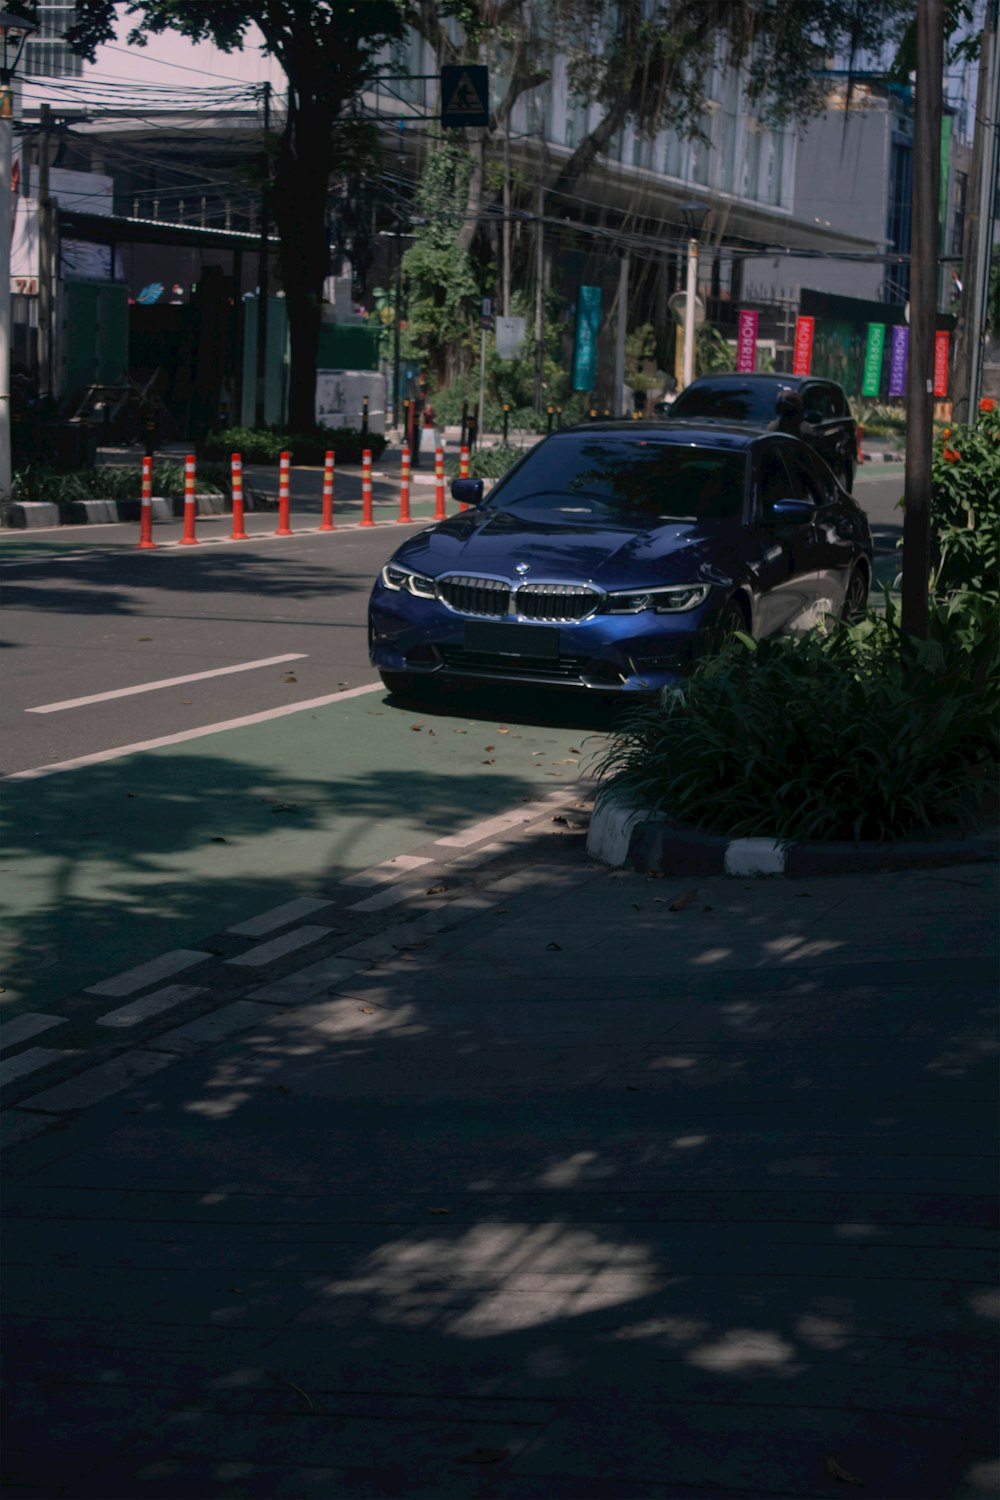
x=463 y=463
x=238 y=534
x=146 y=505
x=189 y=539
x=439 y=511
x=404 y=485
x=366 y=488
x=284 y=504
x=861 y=433
x=326 y=523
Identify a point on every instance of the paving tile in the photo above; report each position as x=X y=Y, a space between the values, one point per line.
x=98 y=1083
x=280 y=916
x=150 y=1005
x=289 y=942
x=146 y=974
x=24 y=1063
x=23 y=1027
x=215 y=1027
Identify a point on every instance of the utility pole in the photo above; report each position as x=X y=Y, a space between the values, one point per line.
x=506 y=218
x=620 y=331
x=46 y=256
x=539 y=295
x=397 y=320
x=978 y=224
x=925 y=239
x=262 y=270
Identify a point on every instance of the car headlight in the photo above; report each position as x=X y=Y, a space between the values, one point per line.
x=665 y=601
x=396 y=577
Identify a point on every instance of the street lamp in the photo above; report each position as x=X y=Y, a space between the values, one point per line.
x=693 y=215
x=13 y=31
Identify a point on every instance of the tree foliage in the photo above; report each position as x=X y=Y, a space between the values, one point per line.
x=442 y=284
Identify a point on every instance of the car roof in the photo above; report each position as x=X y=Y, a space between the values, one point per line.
x=693 y=430
x=729 y=378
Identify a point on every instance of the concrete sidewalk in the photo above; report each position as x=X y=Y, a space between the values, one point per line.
x=568 y=1183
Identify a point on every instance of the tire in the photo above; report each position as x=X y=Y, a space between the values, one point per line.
x=730 y=620
x=855 y=604
x=400 y=684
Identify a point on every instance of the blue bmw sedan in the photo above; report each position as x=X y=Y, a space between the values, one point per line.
x=612 y=555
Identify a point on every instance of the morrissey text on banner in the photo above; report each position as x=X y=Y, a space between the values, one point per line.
x=897 y=359
x=873 y=360
x=803 y=356
x=746 y=342
x=941 y=362
x=588 y=321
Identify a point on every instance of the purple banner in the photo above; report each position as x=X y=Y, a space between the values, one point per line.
x=897 y=360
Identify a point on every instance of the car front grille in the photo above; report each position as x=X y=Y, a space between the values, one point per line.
x=488 y=597
x=487 y=663
x=555 y=601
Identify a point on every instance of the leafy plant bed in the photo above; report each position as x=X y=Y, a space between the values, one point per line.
x=265 y=445
x=861 y=734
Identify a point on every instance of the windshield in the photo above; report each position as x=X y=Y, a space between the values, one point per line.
x=624 y=477
x=728 y=403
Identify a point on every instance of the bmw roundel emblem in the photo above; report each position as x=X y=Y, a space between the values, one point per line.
x=523 y=568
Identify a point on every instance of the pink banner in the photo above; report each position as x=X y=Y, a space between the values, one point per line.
x=746 y=342
x=803 y=356
x=941 y=362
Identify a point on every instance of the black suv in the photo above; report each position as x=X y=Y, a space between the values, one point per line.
x=752 y=400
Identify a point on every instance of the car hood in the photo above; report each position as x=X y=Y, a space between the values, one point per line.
x=495 y=542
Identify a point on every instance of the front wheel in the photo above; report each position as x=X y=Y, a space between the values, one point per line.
x=730 y=620
x=855 y=604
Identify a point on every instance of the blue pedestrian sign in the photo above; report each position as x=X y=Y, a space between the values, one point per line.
x=465 y=94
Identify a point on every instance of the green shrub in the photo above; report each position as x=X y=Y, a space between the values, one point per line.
x=265 y=445
x=862 y=733
x=965 y=508
x=112 y=482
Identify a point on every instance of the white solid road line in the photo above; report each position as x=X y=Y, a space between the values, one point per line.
x=100 y=756
x=165 y=682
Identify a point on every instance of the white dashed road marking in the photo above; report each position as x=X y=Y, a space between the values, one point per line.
x=150 y=1005
x=22 y=1028
x=279 y=916
x=145 y=974
x=266 y=953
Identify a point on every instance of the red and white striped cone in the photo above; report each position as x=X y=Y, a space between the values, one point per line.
x=404 y=485
x=237 y=534
x=146 y=508
x=439 y=511
x=463 y=463
x=366 y=488
x=326 y=524
x=283 y=528
x=189 y=539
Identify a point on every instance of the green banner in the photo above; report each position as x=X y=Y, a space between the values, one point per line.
x=588 y=323
x=873 y=359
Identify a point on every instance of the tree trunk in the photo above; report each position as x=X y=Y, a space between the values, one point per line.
x=304 y=166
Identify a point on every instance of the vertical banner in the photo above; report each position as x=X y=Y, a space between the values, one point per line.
x=941 y=339
x=802 y=357
x=588 y=322
x=897 y=359
x=874 y=351
x=746 y=342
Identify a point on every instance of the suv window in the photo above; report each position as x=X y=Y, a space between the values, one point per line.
x=811 y=478
x=728 y=401
x=820 y=403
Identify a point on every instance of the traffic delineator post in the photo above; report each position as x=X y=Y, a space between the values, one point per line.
x=146 y=505
x=284 y=503
x=404 y=485
x=439 y=510
x=238 y=534
x=463 y=463
x=861 y=433
x=189 y=539
x=326 y=523
x=366 y=488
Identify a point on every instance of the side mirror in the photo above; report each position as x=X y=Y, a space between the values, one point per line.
x=467 y=491
x=799 y=511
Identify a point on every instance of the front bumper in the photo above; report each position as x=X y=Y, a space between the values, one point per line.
x=607 y=653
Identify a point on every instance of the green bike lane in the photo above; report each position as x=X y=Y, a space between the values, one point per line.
x=108 y=865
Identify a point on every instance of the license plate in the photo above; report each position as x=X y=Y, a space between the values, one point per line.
x=539 y=641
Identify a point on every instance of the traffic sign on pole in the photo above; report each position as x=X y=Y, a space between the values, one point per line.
x=465 y=95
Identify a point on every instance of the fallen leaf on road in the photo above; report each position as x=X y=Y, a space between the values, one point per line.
x=502 y=729
x=554 y=947
x=490 y=762
x=433 y=890
x=285 y=807
x=367 y=1010
x=489 y=747
x=461 y=731
x=680 y=902
x=145 y=638
x=573 y=750
x=632 y=1088
x=131 y=794
x=708 y=908
x=219 y=840
x=291 y=679
x=439 y=1210
x=836 y=1472
x=560 y=819
x=566 y=762
x=484 y=1456
x=416 y=726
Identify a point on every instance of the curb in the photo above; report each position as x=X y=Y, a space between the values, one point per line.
x=26 y=515
x=629 y=837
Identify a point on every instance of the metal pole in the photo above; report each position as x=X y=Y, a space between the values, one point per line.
x=481 y=408
x=46 y=257
x=506 y=218
x=5 y=213
x=924 y=243
x=262 y=273
x=539 y=298
x=976 y=230
x=620 y=332
x=692 y=287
